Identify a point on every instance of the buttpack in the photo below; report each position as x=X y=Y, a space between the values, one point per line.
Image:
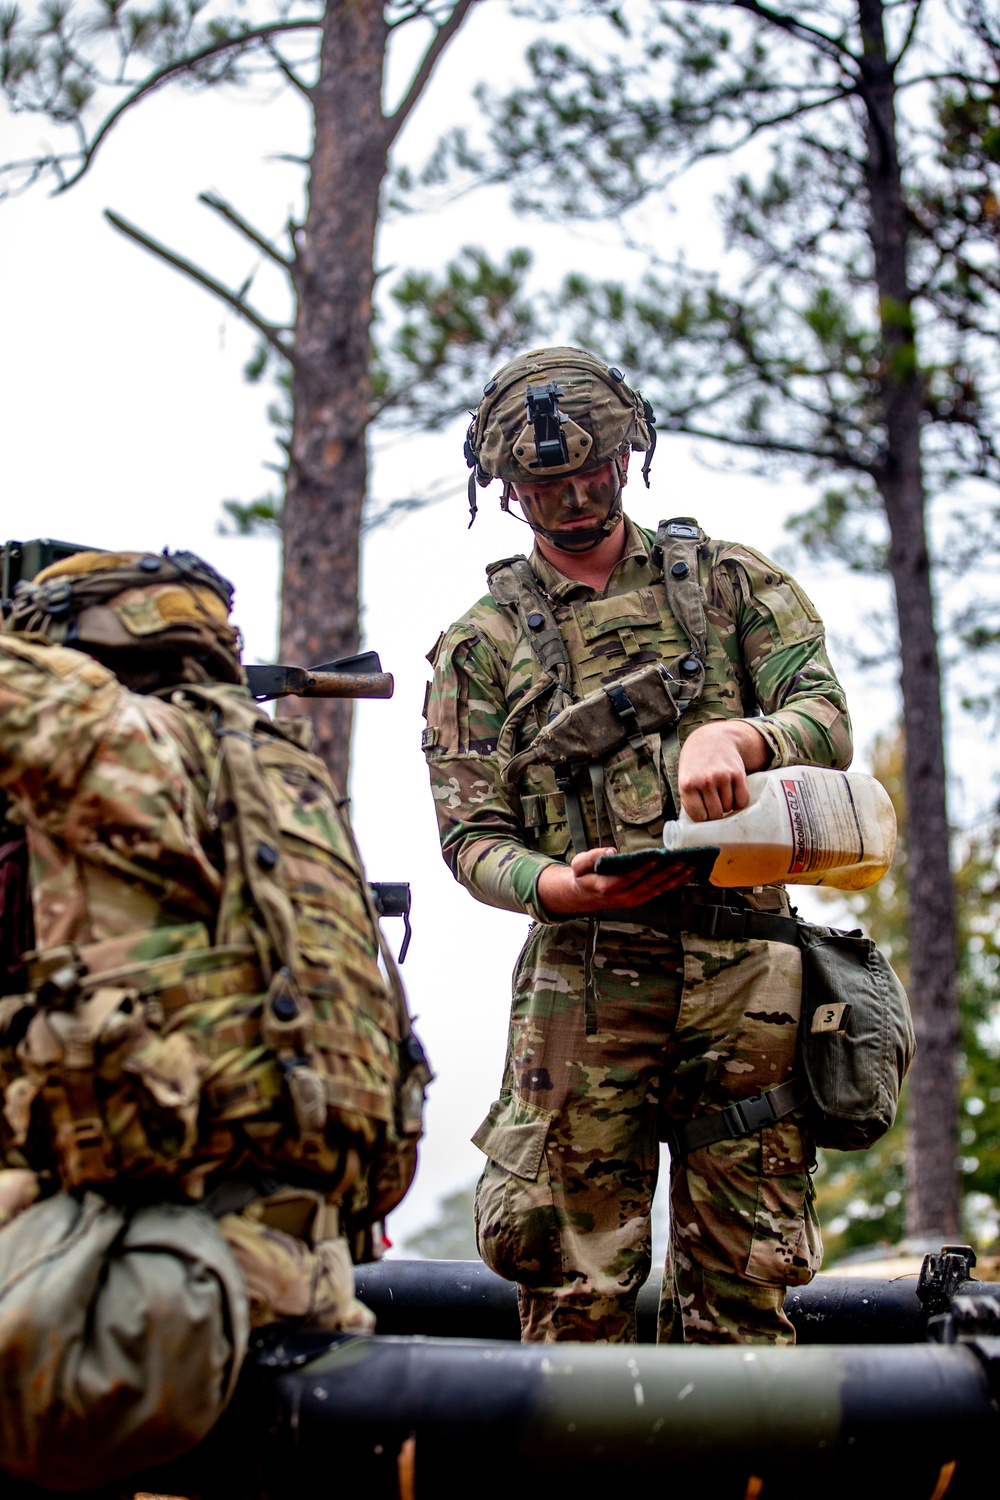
x=121 y=1338
x=856 y=1038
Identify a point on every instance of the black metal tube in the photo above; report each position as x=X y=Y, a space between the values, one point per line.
x=428 y=1418
x=464 y=1299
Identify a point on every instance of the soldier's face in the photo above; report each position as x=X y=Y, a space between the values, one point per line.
x=569 y=501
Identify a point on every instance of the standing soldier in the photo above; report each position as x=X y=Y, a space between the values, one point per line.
x=637 y=1005
x=210 y=1092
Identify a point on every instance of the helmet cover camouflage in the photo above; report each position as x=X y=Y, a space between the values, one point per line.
x=144 y=602
x=599 y=414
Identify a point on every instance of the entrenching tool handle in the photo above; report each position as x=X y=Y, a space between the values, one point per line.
x=302 y=682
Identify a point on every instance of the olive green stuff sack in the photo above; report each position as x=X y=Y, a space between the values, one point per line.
x=856 y=1038
x=121 y=1337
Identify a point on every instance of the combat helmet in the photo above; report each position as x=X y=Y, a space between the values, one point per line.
x=153 y=618
x=551 y=412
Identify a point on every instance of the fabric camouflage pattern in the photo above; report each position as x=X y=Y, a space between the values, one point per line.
x=686 y=1025
x=765 y=646
x=290 y=1280
x=603 y=415
x=135 y=600
x=141 y=894
x=564 y=1203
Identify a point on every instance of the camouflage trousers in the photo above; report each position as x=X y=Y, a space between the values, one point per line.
x=684 y=1027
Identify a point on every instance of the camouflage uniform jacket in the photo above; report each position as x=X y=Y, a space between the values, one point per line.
x=766 y=661
x=131 y=838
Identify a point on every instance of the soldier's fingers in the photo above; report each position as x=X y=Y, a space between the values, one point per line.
x=712 y=803
x=583 y=863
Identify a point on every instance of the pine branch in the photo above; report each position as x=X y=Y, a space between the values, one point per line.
x=442 y=36
x=270 y=331
x=227 y=212
x=173 y=69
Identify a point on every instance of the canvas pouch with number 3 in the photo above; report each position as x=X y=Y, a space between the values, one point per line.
x=856 y=1037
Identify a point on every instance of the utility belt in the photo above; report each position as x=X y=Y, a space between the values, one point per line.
x=709 y=916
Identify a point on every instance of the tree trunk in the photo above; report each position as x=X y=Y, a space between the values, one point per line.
x=932 y=1179
x=334 y=278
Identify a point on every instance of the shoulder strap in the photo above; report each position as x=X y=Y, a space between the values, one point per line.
x=250 y=837
x=513 y=585
x=675 y=553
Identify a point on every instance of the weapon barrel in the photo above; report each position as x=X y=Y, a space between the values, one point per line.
x=725 y=1423
x=464 y=1299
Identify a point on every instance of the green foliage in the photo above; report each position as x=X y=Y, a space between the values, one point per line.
x=427 y=365
x=81 y=64
x=260 y=517
x=861 y=1198
x=788 y=352
x=448 y=329
x=452 y=1235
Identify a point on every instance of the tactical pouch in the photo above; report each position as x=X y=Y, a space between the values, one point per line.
x=623 y=713
x=856 y=1037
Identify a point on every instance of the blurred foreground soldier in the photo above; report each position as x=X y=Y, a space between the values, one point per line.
x=210 y=1093
x=632 y=1011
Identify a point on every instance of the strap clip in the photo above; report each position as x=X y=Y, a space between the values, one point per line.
x=727 y=922
x=625 y=709
x=748 y=1115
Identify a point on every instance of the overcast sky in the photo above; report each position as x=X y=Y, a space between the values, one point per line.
x=126 y=423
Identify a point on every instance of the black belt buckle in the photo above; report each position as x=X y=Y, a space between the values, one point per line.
x=754 y=1113
x=726 y=922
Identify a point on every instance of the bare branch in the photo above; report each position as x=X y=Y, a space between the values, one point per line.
x=442 y=36
x=227 y=212
x=172 y=70
x=838 y=458
x=270 y=331
x=795 y=27
x=911 y=32
x=289 y=72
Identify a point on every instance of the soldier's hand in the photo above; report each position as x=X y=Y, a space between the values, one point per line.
x=715 y=759
x=574 y=890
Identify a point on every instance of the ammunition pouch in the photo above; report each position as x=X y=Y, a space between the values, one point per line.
x=104 y=1081
x=590 y=731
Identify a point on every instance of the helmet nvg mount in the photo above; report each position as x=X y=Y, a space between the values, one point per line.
x=554 y=412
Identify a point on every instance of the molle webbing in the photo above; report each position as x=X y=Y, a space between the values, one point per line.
x=675 y=551
x=514 y=585
x=251 y=838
